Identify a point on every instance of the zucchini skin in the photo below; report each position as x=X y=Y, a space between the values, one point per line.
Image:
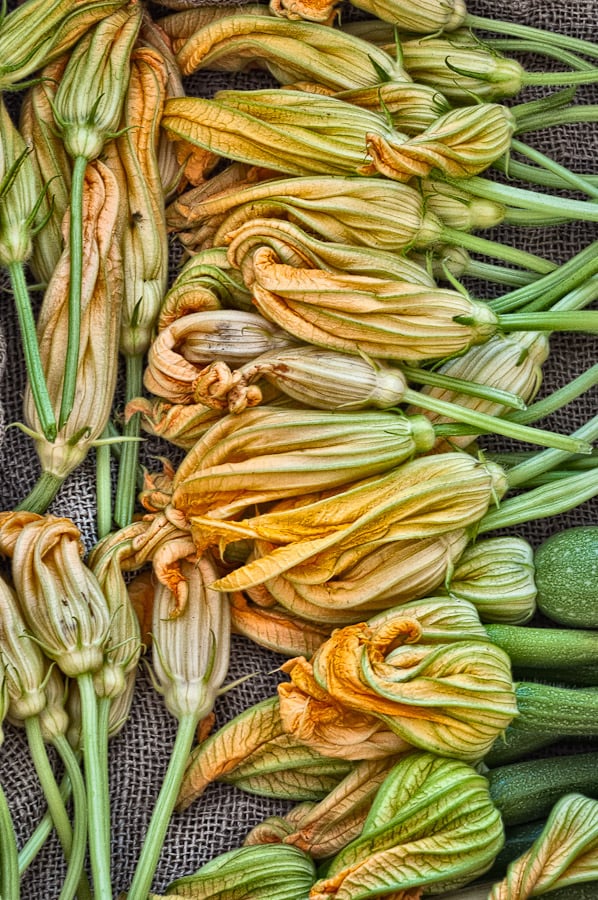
x=567 y=577
x=528 y=790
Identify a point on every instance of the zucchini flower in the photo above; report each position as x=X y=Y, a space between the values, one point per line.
x=458 y=209
x=182 y=350
x=182 y=424
x=411 y=107
x=262 y=873
x=25 y=666
x=565 y=853
x=497 y=576
x=98 y=353
x=301 y=51
x=268 y=453
x=53 y=166
x=206 y=282
x=323 y=829
x=460 y=65
x=513 y=362
x=460 y=143
x=39 y=31
x=363 y=581
x=276 y=628
x=420 y=16
x=253 y=752
x=278 y=129
x=432 y=827
x=420 y=499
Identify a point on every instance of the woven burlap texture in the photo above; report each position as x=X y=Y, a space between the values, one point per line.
x=139 y=754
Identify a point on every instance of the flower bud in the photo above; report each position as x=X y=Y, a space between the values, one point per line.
x=460 y=65
x=90 y=96
x=463 y=142
x=182 y=350
x=420 y=16
x=458 y=209
x=20 y=189
x=191 y=649
x=39 y=31
x=425 y=803
x=61 y=599
x=53 y=718
x=412 y=107
x=53 y=166
x=271 y=872
x=497 y=576
x=268 y=453
x=26 y=668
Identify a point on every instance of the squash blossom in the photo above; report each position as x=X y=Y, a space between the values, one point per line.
x=26 y=666
x=426 y=16
x=39 y=31
x=263 y=873
x=420 y=499
x=565 y=853
x=410 y=106
x=182 y=424
x=457 y=208
x=275 y=628
x=432 y=827
x=301 y=51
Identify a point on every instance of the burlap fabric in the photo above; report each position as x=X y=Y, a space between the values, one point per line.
x=139 y=754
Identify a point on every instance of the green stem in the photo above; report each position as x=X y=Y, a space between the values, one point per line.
x=538 y=35
x=555 y=79
x=578 y=298
x=541 y=502
x=75 y=281
x=545 y=647
x=42 y=831
x=35 y=369
x=477 y=244
x=492 y=424
x=103 y=488
x=584 y=210
x=93 y=758
x=572 y=180
x=499 y=274
x=522 y=46
x=104 y=704
x=127 y=489
x=572 y=115
x=569 y=276
x=550 y=459
x=57 y=809
x=76 y=881
x=459 y=385
x=9 y=870
x=152 y=845
x=549 y=320
x=525 y=218
x=543 y=177
x=42 y=493
x=558 y=399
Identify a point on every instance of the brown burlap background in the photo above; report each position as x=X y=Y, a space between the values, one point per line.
x=139 y=754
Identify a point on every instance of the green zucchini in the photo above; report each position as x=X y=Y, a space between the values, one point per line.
x=528 y=790
x=567 y=577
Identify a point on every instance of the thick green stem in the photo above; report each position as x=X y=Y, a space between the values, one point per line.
x=477 y=244
x=541 y=502
x=45 y=774
x=558 y=399
x=499 y=274
x=76 y=881
x=42 y=831
x=577 y=182
x=551 y=320
x=75 y=282
x=104 y=704
x=555 y=79
x=103 y=488
x=522 y=46
x=533 y=174
x=525 y=218
x=538 y=35
x=152 y=845
x=94 y=757
x=550 y=459
x=9 y=870
x=42 y=493
x=492 y=424
x=127 y=488
x=567 y=278
x=33 y=363
x=584 y=210
x=545 y=647
x=459 y=385
x=572 y=115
